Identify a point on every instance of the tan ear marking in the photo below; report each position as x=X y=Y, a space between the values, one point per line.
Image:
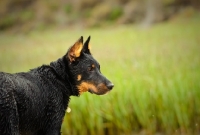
x=75 y=50
x=89 y=47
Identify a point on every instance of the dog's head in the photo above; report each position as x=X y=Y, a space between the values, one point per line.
x=85 y=70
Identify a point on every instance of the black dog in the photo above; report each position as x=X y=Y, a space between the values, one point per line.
x=34 y=103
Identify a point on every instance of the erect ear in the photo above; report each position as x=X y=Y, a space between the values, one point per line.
x=75 y=50
x=86 y=47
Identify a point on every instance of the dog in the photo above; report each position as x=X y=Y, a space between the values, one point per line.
x=34 y=102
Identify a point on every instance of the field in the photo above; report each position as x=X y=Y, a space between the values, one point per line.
x=156 y=73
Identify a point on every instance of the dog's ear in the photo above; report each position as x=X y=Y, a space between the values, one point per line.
x=86 y=47
x=75 y=50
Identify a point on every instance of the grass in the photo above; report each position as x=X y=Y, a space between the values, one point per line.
x=156 y=73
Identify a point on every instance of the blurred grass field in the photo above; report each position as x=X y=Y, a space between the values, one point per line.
x=156 y=73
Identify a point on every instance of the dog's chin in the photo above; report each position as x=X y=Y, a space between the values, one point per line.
x=90 y=91
x=98 y=93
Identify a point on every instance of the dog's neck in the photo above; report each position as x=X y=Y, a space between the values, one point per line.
x=61 y=69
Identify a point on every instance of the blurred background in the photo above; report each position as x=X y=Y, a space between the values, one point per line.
x=26 y=15
x=150 y=50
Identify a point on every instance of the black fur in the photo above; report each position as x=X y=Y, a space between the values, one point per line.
x=34 y=103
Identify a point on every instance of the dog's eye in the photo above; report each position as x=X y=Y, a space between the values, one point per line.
x=91 y=68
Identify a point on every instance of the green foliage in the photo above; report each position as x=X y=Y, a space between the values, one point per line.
x=116 y=12
x=156 y=73
x=27 y=15
x=168 y=2
x=7 y=21
x=18 y=17
x=68 y=8
x=87 y=13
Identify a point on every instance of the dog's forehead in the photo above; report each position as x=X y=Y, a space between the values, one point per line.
x=89 y=59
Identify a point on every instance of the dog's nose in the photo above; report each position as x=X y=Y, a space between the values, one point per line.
x=110 y=86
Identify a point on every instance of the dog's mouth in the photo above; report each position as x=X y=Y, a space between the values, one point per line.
x=99 y=92
x=90 y=91
x=100 y=89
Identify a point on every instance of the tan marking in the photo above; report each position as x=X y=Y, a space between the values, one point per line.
x=85 y=86
x=93 y=65
x=75 y=50
x=103 y=87
x=79 y=77
x=89 y=46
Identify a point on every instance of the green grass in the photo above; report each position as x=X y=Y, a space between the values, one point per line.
x=156 y=73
